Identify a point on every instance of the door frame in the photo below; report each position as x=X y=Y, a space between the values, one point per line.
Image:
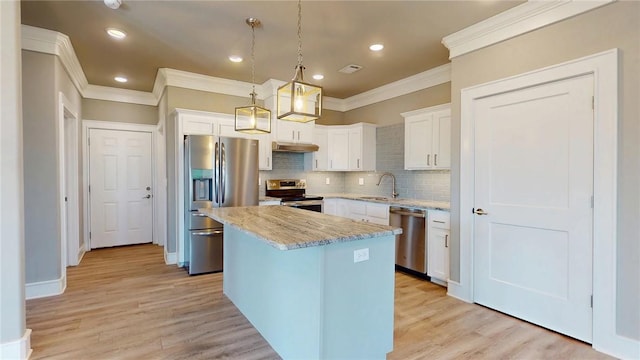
x=68 y=173
x=88 y=125
x=604 y=67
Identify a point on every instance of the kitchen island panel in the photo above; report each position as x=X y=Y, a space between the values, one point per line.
x=314 y=302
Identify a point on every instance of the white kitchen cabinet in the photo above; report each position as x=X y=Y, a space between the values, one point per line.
x=352 y=147
x=318 y=160
x=294 y=132
x=195 y=124
x=226 y=127
x=265 y=160
x=338 y=146
x=367 y=211
x=330 y=206
x=438 y=233
x=268 y=202
x=427 y=139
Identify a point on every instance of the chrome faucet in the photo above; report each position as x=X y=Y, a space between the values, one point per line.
x=394 y=193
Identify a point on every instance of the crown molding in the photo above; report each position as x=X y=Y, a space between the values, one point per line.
x=55 y=43
x=426 y=79
x=207 y=83
x=120 y=95
x=521 y=19
x=51 y=42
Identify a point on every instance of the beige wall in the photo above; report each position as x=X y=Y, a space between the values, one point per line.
x=388 y=112
x=178 y=97
x=43 y=78
x=331 y=117
x=119 y=112
x=613 y=26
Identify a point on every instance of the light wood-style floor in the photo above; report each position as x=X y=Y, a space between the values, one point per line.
x=125 y=303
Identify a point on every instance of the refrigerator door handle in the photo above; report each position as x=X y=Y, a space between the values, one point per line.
x=216 y=168
x=223 y=174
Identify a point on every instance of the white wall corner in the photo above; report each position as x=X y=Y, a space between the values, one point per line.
x=170 y=258
x=521 y=19
x=19 y=349
x=426 y=79
x=45 y=288
x=120 y=95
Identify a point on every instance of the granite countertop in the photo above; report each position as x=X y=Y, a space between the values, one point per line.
x=411 y=203
x=288 y=228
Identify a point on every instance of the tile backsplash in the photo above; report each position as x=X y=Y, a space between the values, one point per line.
x=291 y=166
x=425 y=185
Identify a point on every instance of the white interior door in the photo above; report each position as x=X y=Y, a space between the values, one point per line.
x=120 y=187
x=534 y=181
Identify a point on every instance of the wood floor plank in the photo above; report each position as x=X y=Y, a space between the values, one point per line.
x=125 y=303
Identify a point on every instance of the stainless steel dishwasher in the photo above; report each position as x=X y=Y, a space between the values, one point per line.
x=411 y=249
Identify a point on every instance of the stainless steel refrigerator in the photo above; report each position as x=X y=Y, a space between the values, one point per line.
x=219 y=172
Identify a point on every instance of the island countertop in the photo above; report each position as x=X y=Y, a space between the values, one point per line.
x=288 y=228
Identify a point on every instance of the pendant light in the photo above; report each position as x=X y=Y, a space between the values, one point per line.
x=253 y=119
x=297 y=100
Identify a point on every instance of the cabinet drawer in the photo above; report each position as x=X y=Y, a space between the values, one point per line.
x=439 y=220
x=377 y=211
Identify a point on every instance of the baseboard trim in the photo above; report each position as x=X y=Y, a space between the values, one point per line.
x=19 y=349
x=81 y=252
x=170 y=258
x=620 y=347
x=45 y=288
x=455 y=290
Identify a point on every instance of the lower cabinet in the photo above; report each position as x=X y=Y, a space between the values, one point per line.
x=438 y=231
x=358 y=210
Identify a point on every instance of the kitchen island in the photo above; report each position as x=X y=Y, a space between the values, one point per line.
x=315 y=286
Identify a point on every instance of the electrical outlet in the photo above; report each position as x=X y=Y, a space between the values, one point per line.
x=360 y=181
x=360 y=255
x=327 y=181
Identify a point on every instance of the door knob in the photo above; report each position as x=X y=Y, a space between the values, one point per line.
x=147 y=197
x=480 y=212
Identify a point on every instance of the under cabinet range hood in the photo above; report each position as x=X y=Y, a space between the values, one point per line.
x=292 y=147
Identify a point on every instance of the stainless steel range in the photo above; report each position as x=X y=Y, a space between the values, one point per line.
x=292 y=192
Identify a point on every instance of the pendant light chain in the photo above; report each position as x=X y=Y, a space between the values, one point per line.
x=300 y=33
x=253 y=62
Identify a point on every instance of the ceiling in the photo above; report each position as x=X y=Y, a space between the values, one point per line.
x=199 y=36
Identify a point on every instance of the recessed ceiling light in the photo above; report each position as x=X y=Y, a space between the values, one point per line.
x=376 y=47
x=121 y=79
x=235 y=58
x=113 y=4
x=318 y=76
x=116 y=34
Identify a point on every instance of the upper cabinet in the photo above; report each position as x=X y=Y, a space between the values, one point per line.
x=294 y=132
x=318 y=160
x=427 y=138
x=352 y=147
x=205 y=123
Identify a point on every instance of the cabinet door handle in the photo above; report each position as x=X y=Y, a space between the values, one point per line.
x=268 y=161
x=331 y=164
x=446 y=240
x=435 y=159
x=358 y=162
x=298 y=135
x=316 y=164
x=428 y=159
x=293 y=135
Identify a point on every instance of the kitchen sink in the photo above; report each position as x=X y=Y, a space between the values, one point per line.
x=381 y=198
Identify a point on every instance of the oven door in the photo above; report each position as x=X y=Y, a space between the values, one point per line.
x=313 y=205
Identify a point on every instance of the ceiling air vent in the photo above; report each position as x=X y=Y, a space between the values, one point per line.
x=350 y=69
